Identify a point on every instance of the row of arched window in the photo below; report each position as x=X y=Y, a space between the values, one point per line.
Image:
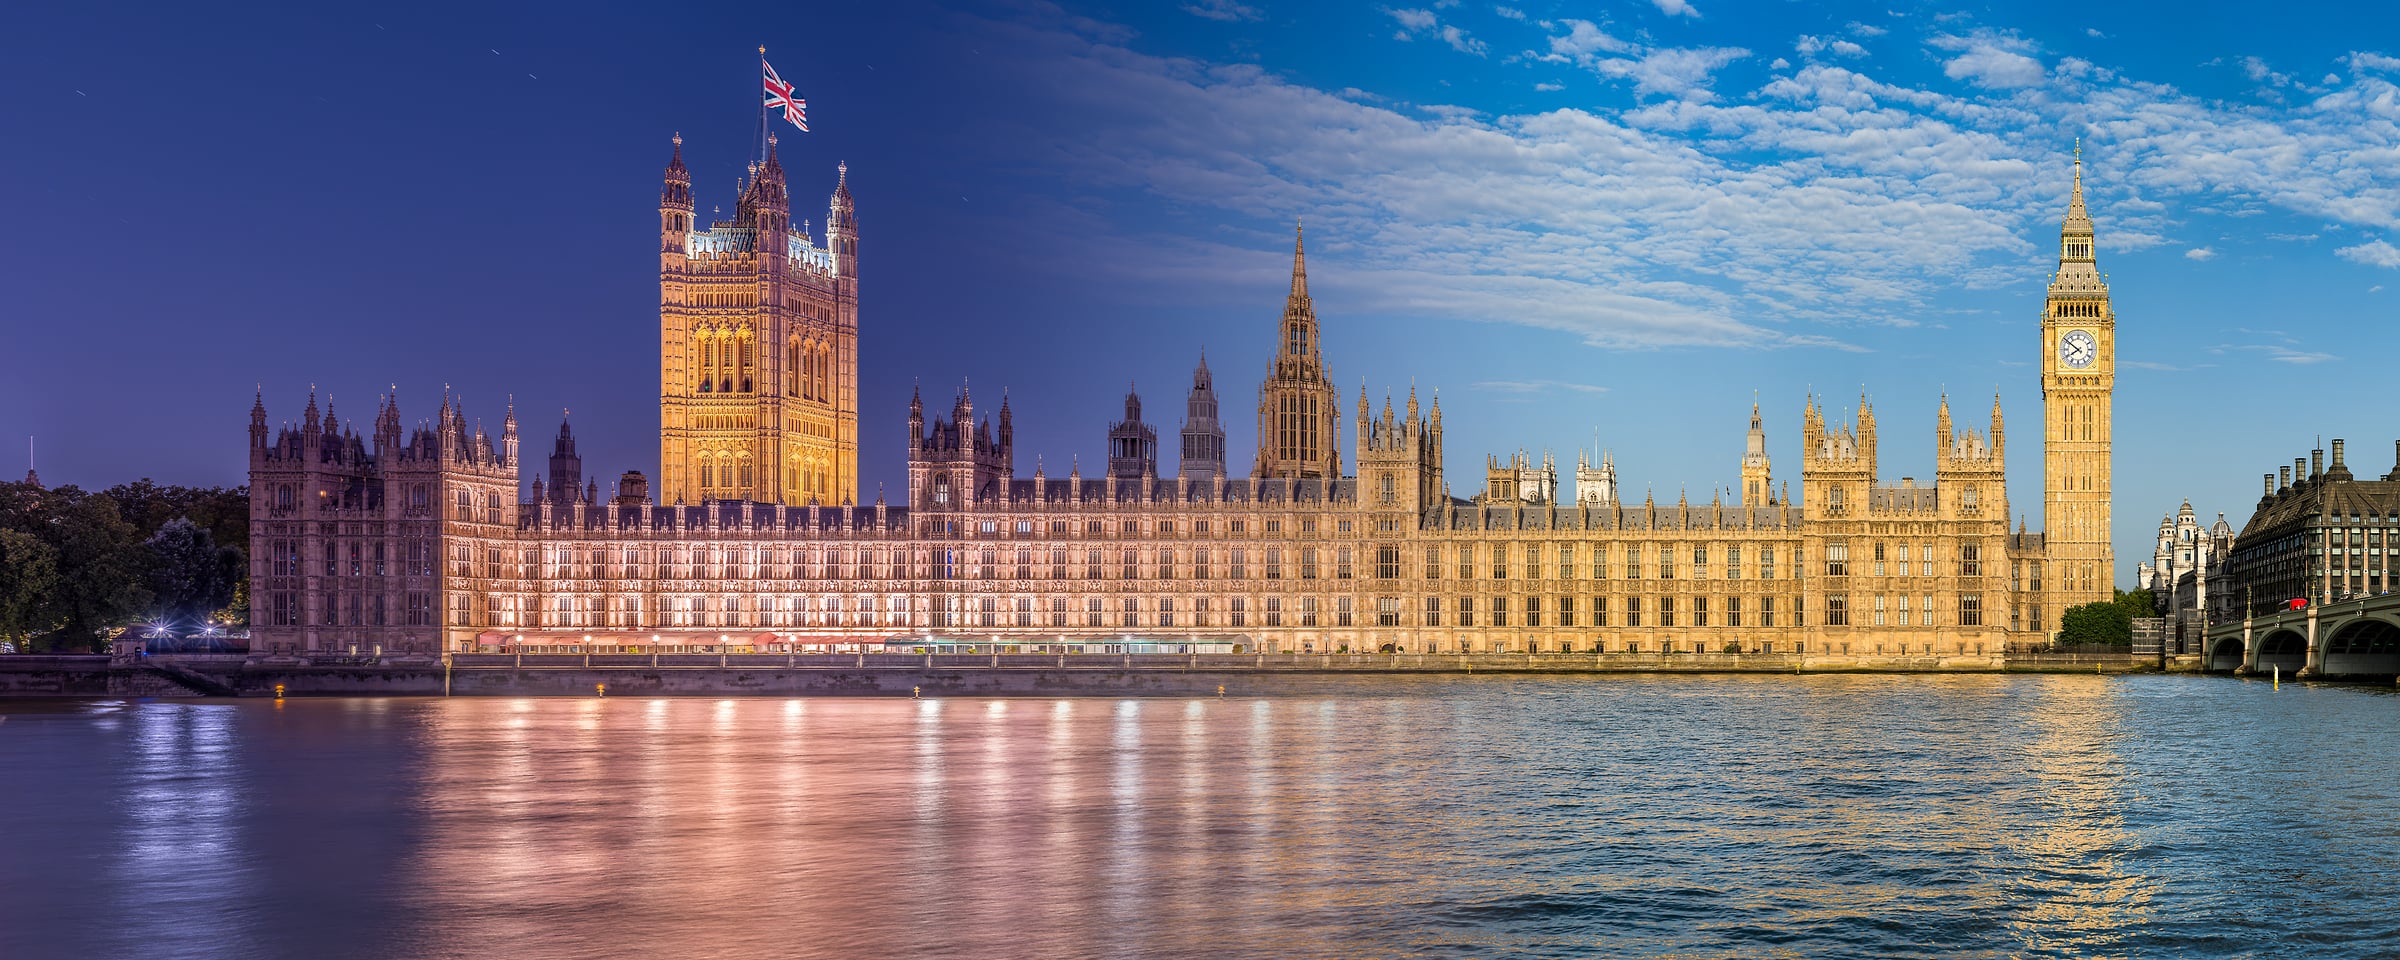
x=810 y=366
x=726 y=360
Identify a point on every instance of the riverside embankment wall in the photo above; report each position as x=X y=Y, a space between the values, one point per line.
x=904 y=675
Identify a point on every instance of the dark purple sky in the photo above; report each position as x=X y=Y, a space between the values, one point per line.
x=355 y=196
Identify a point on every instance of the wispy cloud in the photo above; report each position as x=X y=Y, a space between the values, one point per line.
x=1989 y=58
x=1418 y=22
x=1676 y=8
x=1810 y=45
x=1789 y=214
x=2374 y=253
x=1226 y=10
x=2286 y=352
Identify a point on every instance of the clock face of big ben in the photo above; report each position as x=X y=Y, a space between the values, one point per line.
x=2077 y=349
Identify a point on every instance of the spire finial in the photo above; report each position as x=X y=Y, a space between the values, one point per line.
x=677 y=138
x=1299 y=260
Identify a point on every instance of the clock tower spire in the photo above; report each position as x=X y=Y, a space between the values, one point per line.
x=2079 y=374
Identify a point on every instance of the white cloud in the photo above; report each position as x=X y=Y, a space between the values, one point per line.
x=1549 y=87
x=1682 y=72
x=1583 y=39
x=1810 y=45
x=1227 y=10
x=2361 y=62
x=2378 y=288
x=1779 y=63
x=1509 y=13
x=2374 y=254
x=1989 y=59
x=1415 y=23
x=2200 y=253
x=1785 y=214
x=1459 y=41
x=1676 y=8
x=2094 y=32
x=1865 y=29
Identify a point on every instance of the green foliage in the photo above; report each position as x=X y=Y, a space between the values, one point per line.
x=190 y=576
x=223 y=511
x=2138 y=603
x=77 y=565
x=28 y=585
x=2099 y=622
x=100 y=567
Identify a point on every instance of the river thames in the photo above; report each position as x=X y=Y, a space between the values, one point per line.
x=1822 y=816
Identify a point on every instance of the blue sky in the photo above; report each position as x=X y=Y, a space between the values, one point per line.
x=1610 y=223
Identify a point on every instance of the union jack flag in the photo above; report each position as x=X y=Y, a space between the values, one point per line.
x=779 y=94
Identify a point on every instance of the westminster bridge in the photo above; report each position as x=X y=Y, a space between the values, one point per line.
x=2353 y=637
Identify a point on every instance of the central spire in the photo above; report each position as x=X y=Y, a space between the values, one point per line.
x=1299 y=262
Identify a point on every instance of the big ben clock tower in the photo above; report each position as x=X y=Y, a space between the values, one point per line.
x=2079 y=375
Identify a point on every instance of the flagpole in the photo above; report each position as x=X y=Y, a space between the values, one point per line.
x=760 y=144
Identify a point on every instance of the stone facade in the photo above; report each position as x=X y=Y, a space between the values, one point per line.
x=2319 y=535
x=2188 y=562
x=1299 y=555
x=758 y=346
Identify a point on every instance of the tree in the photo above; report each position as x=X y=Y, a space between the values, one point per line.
x=28 y=587
x=2107 y=622
x=100 y=569
x=190 y=577
x=2138 y=603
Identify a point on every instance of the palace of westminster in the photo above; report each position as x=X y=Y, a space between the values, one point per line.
x=752 y=537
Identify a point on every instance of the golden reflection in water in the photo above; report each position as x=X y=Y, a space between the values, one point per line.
x=2072 y=863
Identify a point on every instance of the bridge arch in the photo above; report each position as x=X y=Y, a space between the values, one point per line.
x=2364 y=646
x=2225 y=656
x=2283 y=648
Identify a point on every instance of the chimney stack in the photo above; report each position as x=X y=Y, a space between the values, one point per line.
x=2286 y=483
x=2316 y=464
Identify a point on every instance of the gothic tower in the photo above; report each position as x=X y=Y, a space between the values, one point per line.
x=2079 y=337
x=1132 y=445
x=566 y=467
x=1299 y=417
x=1757 y=486
x=758 y=346
x=1203 y=459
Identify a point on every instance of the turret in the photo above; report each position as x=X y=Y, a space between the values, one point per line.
x=1008 y=438
x=258 y=422
x=508 y=435
x=841 y=225
x=1203 y=456
x=1757 y=483
x=675 y=205
x=566 y=467
x=766 y=204
x=916 y=417
x=1132 y=444
x=1999 y=440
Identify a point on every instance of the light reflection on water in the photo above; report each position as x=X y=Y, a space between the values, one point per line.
x=1815 y=816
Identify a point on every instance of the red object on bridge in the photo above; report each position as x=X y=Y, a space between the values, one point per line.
x=2298 y=602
